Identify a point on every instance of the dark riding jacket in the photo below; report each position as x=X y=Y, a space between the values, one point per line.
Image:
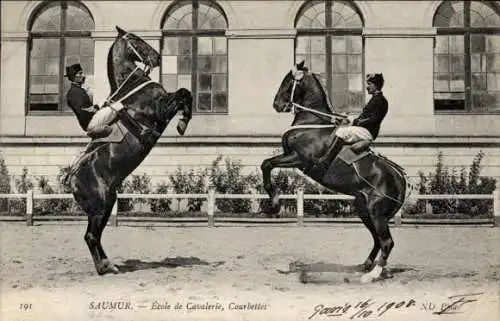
x=81 y=104
x=372 y=115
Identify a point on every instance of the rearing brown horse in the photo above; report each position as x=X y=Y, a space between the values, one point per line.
x=109 y=160
x=378 y=185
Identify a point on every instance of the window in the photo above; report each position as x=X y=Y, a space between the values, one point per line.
x=194 y=53
x=467 y=57
x=329 y=39
x=59 y=35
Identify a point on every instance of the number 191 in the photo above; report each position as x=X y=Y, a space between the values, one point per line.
x=25 y=306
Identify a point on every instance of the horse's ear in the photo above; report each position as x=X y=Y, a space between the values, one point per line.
x=300 y=65
x=121 y=32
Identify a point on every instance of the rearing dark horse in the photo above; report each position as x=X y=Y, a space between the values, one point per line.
x=109 y=160
x=378 y=185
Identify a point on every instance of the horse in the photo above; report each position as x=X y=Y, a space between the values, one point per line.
x=377 y=184
x=107 y=161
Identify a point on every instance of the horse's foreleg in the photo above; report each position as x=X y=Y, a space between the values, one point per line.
x=91 y=238
x=283 y=161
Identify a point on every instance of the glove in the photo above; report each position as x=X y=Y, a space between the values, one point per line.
x=117 y=106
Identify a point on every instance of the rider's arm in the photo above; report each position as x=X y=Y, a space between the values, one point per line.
x=374 y=114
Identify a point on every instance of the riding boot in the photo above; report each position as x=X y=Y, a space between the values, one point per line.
x=331 y=153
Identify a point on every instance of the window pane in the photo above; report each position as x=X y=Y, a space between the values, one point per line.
x=493 y=43
x=180 y=16
x=317 y=63
x=37 y=66
x=478 y=82
x=457 y=82
x=354 y=44
x=209 y=17
x=184 y=65
x=302 y=45
x=441 y=84
x=219 y=82
x=441 y=44
x=205 y=63
x=457 y=44
x=169 y=82
x=169 y=64
x=49 y=19
x=317 y=45
x=205 y=45
x=87 y=64
x=478 y=43
x=204 y=102
x=77 y=18
x=457 y=64
x=493 y=62
x=170 y=46
x=355 y=82
x=339 y=83
x=46 y=47
x=354 y=63
x=220 y=102
x=483 y=15
x=441 y=63
x=449 y=14
x=313 y=15
x=185 y=46
x=205 y=82
x=52 y=66
x=220 y=64
x=485 y=101
x=339 y=44
x=493 y=81
x=339 y=63
x=86 y=47
x=478 y=63
x=184 y=81
x=220 y=45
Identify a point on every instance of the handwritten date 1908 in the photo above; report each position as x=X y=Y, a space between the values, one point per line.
x=361 y=310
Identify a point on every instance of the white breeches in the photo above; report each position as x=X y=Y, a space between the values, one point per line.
x=353 y=134
x=105 y=115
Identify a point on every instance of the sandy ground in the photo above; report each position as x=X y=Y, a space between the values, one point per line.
x=47 y=274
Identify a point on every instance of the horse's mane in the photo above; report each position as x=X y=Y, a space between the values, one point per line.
x=321 y=91
x=112 y=81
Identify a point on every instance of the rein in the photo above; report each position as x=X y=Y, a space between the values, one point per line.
x=332 y=117
x=146 y=70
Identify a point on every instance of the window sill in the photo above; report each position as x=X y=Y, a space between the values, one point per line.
x=466 y=113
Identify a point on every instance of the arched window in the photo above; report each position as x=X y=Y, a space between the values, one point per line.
x=194 y=53
x=59 y=35
x=467 y=57
x=329 y=39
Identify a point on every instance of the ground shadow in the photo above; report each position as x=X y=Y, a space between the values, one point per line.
x=133 y=265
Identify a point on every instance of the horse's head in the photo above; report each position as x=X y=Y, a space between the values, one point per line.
x=291 y=89
x=134 y=49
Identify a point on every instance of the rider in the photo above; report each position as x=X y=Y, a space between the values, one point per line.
x=366 y=126
x=92 y=118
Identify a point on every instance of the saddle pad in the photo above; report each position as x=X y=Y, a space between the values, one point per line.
x=117 y=134
x=348 y=156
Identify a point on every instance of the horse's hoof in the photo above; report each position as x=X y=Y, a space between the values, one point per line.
x=364 y=267
x=107 y=267
x=372 y=276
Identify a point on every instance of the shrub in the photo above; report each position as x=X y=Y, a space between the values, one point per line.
x=228 y=179
x=138 y=184
x=22 y=184
x=446 y=181
x=4 y=185
x=191 y=182
x=160 y=205
x=50 y=205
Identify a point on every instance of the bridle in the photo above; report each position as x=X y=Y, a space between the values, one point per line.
x=146 y=70
x=332 y=117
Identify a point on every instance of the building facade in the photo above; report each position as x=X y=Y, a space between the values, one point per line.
x=440 y=60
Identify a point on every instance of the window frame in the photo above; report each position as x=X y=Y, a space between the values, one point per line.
x=328 y=33
x=61 y=36
x=194 y=33
x=465 y=31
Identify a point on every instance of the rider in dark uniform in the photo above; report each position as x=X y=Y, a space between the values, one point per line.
x=366 y=126
x=79 y=100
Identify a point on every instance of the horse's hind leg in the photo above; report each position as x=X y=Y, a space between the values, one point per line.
x=381 y=224
x=106 y=265
x=360 y=204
